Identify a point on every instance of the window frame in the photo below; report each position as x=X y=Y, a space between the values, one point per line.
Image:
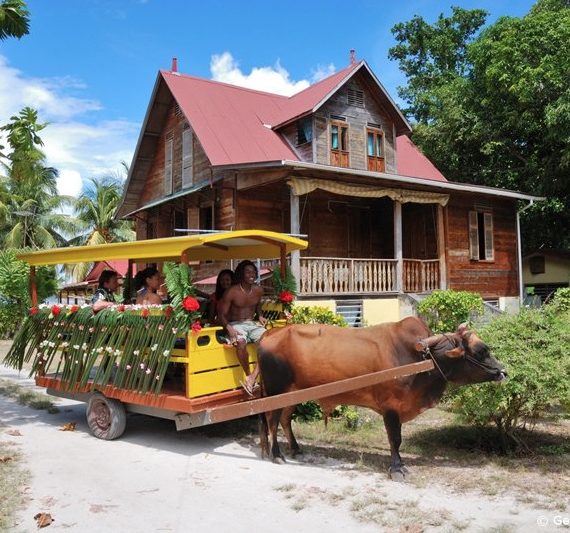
x=187 y=158
x=168 y=174
x=339 y=152
x=376 y=158
x=475 y=233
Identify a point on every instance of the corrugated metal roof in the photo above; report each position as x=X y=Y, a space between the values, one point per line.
x=411 y=162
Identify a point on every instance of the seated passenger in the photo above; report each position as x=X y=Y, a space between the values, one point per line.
x=104 y=295
x=224 y=281
x=147 y=282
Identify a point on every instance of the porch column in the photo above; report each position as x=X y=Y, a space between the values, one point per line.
x=295 y=228
x=398 y=254
x=441 y=248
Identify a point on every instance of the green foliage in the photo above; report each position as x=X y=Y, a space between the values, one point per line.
x=14 y=19
x=316 y=315
x=445 y=310
x=14 y=290
x=285 y=289
x=494 y=107
x=308 y=412
x=561 y=301
x=534 y=347
x=178 y=278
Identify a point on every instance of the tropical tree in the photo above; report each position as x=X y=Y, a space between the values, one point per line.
x=95 y=210
x=492 y=105
x=14 y=19
x=31 y=211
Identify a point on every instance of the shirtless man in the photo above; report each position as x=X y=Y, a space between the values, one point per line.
x=237 y=311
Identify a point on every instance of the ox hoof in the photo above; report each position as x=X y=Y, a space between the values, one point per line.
x=398 y=474
x=296 y=452
x=279 y=460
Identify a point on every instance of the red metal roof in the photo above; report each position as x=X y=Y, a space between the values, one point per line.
x=411 y=162
x=120 y=267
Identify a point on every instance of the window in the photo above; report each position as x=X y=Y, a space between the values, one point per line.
x=180 y=222
x=304 y=130
x=339 y=144
x=186 y=158
x=355 y=98
x=375 y=150
x=481 y=247
x=537 y=264
x=168 y=167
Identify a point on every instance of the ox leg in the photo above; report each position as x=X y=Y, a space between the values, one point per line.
x=286 y=417
x=394 y=429
x=273 y=418
x=263 y=431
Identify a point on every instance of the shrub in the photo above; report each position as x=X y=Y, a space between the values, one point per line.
x=316 y=315
x=443 y=311
x=561 y=301
x=309 y=411
x=534 y=347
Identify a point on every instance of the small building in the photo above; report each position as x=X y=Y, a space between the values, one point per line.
x=333 y=162
x=545 y=271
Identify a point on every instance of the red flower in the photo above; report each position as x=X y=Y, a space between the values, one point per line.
x=55 y=310
x=168 y=311
x=196 y=327
x=286 y=297
x=73 y=309
x=121 y=308
x=144 y=312
x=34 y=311
x=190 y=304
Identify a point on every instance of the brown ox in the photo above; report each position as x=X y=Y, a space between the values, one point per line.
x=302 y=356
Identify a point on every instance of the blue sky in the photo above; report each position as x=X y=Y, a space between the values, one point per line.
x=90 y=65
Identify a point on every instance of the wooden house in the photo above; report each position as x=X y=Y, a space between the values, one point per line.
x=545 y=271
x=333 y=162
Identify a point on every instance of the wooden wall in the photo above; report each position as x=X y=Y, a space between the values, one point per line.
x=201 y=171
x=266 y=207
x=357 y=119
x=490 y=278
x=304 y=151
x=419 y=231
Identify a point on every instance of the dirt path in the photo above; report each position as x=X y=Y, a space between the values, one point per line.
x=156 y=479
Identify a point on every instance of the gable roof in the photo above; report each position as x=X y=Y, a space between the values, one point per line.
x=410 y=161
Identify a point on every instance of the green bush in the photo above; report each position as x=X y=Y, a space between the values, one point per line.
x=316 y=315
x=534 y=347
x=309 y=411
x=14 y=290
x=561 y=300
x=443 y=311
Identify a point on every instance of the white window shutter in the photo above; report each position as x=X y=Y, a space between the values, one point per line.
x=168 y=167
x=187 y=158
x=489 y=246
x=473 y=236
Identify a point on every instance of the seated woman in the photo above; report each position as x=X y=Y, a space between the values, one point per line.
x=147 y=282
x=224 y=281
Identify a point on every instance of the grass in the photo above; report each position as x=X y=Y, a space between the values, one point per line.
x=458 y=457
x=24 y=396
x=12 y=479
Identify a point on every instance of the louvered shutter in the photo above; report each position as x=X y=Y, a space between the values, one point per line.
x=489 y=246
x=186 y=158
x=168 y=167
x=473 y=236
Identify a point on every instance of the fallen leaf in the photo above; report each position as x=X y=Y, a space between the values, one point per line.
x=14 y=433
x=43 y=519
x=70 y=426
x=5 y=458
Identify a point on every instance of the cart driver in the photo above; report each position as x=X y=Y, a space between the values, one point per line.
x=237 y=311
x=104 y=295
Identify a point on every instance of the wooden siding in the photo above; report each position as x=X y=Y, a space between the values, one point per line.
x=304 y=151
x=357 y=119
x=201 y=171
x=489 y=278
x=265 y=208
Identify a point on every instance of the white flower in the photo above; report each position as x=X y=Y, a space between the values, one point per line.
x=166 y=353
x=109 y=349
x=76 y=346
x=84 y=346
x=51 y=344
x=117 y=352
x=154 y=347
x=136 y=352
x=142 y=366
x=100 y=349
x=147 y=371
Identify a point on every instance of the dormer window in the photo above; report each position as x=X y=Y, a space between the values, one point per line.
x=304 y=131
x=375 y=150
x=339 y=143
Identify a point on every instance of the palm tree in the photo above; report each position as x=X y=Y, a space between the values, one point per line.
x=95 y=210
x=14 y=19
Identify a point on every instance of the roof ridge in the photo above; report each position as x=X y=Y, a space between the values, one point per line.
x=230 y=85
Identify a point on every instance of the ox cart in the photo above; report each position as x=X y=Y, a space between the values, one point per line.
x=117 y=360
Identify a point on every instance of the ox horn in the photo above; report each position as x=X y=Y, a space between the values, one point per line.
x=428 y=342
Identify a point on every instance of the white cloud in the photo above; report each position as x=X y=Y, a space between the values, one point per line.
x=273 y=79
x=78 y=149
x=322 y=72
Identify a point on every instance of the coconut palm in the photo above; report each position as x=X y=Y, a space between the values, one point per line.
x=14 y=19
x=95 y=210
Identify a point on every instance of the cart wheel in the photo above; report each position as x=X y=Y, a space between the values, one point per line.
x=106 y=418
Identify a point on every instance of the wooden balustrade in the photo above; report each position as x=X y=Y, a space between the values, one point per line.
x=334 y=275
x=421 y=275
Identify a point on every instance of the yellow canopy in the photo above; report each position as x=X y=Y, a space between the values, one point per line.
x=242 y=244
